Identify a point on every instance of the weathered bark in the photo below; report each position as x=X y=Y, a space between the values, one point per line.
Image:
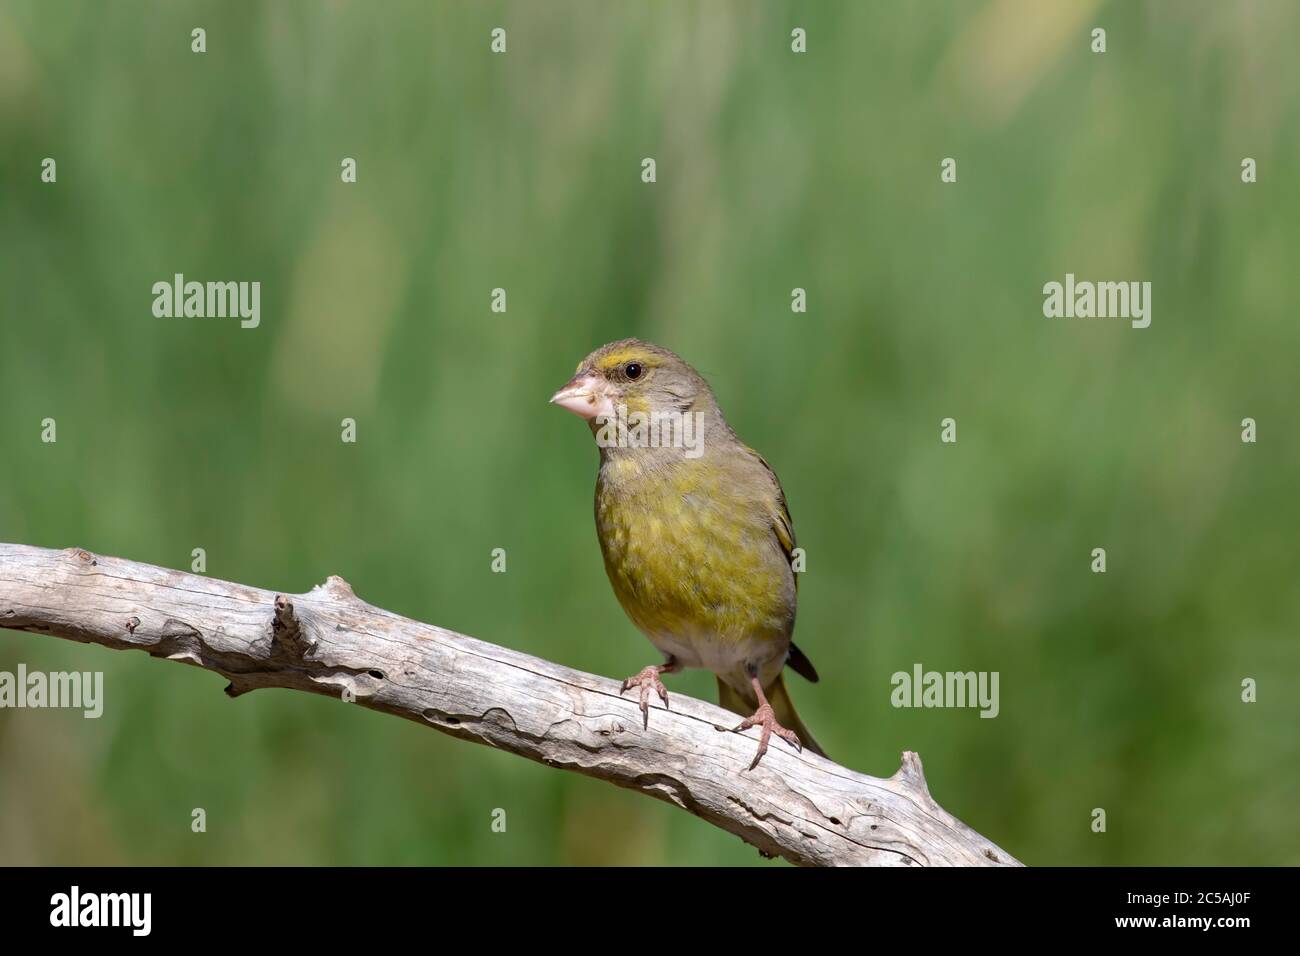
x=801 y=807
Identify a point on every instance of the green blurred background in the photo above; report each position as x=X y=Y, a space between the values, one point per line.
x=775 y=170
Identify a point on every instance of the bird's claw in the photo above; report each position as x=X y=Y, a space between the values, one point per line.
x=647 y=680
x=766 y=719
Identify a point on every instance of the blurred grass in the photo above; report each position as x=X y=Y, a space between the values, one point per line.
x=775 y=170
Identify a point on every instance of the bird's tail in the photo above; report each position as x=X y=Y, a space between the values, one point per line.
x=782 y=707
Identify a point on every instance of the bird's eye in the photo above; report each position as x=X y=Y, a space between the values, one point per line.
x=633 y=370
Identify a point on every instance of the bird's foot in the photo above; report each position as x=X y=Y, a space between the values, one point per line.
x=766 y=719
x=647 y=680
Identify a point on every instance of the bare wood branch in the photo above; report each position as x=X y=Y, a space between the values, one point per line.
x=801 y=807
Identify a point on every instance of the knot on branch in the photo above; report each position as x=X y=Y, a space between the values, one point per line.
x=177 y=641
x=911 y=773
x=287 y=632
x=337 y=588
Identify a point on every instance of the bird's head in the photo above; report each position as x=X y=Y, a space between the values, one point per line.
x=644 y=378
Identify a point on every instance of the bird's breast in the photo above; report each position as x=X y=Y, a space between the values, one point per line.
x=693 y=560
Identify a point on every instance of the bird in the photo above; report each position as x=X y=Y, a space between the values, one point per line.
x=696 y=535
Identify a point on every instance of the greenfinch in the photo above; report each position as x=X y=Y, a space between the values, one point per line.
x=695 y=534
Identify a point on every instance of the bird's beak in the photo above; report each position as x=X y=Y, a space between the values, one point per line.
x=586 y=395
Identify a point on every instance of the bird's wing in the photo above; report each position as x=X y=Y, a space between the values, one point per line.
x=783 y=528
x=782 y=525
